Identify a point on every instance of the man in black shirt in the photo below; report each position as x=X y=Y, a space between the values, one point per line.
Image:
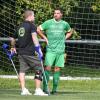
x=27 y=45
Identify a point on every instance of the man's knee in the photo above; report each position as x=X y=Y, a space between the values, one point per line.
x=38 y=75
x=56 y=69
x=48 y=68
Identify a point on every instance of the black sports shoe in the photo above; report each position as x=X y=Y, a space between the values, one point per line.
x=46 y=92
x=54 y=92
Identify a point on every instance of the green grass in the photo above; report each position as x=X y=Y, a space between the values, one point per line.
x=67 y=90
x=13 y=95
x=80 y=71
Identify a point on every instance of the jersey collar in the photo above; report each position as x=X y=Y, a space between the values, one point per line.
x=56 y=21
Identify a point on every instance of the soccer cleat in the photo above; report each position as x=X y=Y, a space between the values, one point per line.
x=47 y=92
x=25 y=92
x=54 y=92
x=39 y=92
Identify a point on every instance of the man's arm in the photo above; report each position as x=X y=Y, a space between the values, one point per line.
x=40 y=32
x=35 y=39
x=37 y=45
x=13 y=42
x=69 y=33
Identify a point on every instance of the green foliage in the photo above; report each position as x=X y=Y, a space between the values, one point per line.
x=96 y=6
x=67 y=5
x=7 y=14
x=44 y=8
x=46 y=12
x=75 y=34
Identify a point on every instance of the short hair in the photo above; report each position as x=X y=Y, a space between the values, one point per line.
x=58 y=8
x=27 y=13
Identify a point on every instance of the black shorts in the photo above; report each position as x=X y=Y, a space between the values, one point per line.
x=27 y=62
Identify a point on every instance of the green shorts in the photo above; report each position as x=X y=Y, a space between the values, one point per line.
x=54 y=59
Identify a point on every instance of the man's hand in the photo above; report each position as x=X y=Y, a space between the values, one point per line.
x=69 y=33
x=46 y=40
x=13 y=50
x=39 y=52
x=41 y=34
x=9 y=53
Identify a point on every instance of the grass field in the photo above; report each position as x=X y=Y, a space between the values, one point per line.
x=67 y=90
x=79 y=71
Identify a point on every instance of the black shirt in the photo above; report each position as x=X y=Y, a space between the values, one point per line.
x=24 y=34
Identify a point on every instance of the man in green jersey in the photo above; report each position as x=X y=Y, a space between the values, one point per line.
x=57 y=31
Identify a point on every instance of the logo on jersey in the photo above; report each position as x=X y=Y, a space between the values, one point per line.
x=21 y=32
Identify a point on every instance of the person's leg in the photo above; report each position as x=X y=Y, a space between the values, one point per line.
x=23 y=68
x=22 y=80
x=38 y=80
x=35 y=63
x=59 y=62
x=49 y=60
x=56 y=76
x=46 y=78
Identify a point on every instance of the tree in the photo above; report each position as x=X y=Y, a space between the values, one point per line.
x=96 y=6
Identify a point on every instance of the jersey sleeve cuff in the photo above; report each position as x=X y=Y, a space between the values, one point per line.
x=41 y=27
x=69 y=30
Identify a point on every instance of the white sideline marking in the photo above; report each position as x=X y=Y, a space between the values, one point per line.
x=61 y=78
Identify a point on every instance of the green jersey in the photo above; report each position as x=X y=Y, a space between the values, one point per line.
x=55 y=31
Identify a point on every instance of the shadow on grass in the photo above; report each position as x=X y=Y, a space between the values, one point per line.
x=9 y=91
x=71 y=92
x=17 y=92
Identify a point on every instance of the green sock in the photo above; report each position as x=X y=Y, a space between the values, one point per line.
x=47 y=74
x=55 y=80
